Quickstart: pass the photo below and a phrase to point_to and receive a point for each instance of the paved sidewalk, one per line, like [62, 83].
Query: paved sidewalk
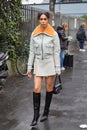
[68, 109]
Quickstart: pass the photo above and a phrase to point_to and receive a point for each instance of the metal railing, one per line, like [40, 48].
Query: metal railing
[29, 21]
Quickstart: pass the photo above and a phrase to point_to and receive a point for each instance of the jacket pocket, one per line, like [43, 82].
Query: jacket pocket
[36, 49]
[49, 48]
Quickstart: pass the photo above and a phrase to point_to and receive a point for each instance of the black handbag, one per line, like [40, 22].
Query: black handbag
[68, 61]
[57, 86]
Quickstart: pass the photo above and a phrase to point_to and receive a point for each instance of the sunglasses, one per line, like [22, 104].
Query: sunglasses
[43, 19]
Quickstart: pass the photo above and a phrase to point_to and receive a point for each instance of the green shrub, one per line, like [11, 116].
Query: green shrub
[10, 16]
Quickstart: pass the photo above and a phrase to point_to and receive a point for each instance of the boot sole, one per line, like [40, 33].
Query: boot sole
[44, 119]
[36, 122]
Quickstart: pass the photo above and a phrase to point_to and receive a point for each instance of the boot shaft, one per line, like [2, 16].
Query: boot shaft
[47, 106]
[36, 100]
[48, 101]
[36, 106]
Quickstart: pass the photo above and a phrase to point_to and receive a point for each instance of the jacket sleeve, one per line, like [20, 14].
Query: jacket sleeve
[31, 55]
[63, 36]
[57, 52]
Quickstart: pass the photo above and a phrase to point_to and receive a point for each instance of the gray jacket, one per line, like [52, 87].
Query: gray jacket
[43, 46]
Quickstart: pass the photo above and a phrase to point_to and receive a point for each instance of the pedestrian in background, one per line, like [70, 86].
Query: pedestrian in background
[81, 36]
[64, 40]
[45, 54]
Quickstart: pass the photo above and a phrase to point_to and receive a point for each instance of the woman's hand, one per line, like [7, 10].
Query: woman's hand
[29, 74]
[58, 73]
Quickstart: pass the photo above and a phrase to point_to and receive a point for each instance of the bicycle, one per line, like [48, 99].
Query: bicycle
[22, 59]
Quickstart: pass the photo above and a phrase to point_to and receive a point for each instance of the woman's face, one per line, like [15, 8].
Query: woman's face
[43, 20]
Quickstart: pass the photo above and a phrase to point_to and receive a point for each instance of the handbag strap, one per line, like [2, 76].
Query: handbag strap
[58, 78]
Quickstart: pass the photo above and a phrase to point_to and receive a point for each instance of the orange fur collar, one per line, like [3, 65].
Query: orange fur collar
[49, 30]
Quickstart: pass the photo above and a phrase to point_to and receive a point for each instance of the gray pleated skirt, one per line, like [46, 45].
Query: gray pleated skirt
[44, 67]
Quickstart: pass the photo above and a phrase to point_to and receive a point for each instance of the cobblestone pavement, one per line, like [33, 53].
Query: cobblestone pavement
[68, 109]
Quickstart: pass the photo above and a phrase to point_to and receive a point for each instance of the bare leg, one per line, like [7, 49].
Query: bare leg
[37, 83]
[49, 83]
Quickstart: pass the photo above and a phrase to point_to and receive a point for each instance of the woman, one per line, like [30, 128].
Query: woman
[45, 54]
[63, 42]
[81, 36]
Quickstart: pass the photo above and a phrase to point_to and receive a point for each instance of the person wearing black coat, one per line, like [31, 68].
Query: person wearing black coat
[82, 37]
[63, 42]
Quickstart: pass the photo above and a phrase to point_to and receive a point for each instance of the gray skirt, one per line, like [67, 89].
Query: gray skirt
[44, 67]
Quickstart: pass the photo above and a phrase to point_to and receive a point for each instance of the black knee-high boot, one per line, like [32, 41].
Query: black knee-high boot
[47, 106]
[36, 105]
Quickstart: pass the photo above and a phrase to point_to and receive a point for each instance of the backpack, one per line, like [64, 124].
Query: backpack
[79, 35]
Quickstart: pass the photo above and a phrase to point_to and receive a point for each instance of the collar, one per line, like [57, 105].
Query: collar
[49, 30]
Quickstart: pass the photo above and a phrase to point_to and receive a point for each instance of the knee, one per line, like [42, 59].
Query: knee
[49, 88]
[37, 90]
